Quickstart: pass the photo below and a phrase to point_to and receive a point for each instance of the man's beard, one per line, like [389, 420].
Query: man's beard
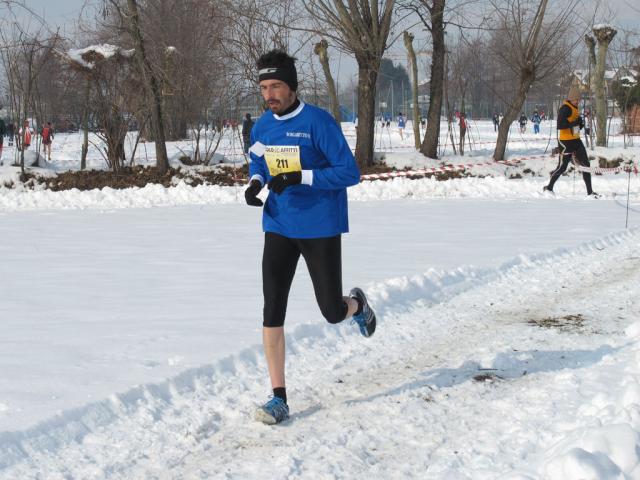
[277, 106]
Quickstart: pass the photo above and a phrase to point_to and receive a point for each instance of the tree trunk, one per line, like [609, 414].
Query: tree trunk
[85, 126]
[366, 113]
[320, 49]
[601, 99]
[429, 145]
[27, 102]
[152, 88]
[525, 80]
[115, 142]
[591, 52]
[604, 36]
[173, 105]
[408, 43]
[514, 108]
[447, 105]
[463, 124]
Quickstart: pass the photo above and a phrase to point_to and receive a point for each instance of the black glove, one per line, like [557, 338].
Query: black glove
[251, 193]
[281, 181]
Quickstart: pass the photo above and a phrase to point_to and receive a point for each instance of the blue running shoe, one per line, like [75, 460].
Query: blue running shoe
[367, 318]
[272, 412]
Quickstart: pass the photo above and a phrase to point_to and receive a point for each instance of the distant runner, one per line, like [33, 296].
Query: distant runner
[401, 124]
[47, 139]
[569, 124]
[25, 135]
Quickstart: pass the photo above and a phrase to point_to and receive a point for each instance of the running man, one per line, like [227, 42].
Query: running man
[522, 121]
[300, 153]
[47, 139]
[401, 124]
[25, 135]
[535, 119]
[569, 124]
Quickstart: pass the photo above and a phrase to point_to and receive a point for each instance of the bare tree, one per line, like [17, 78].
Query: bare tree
[459, 79]
[85, 125]
[408, 43]
[320, 49]
[361, 28]
[604, 35]
[431, 14]
[151, 85]
[187, 53]
[449, 110]
[109, 72]
[130, 16]
[25, 53]
[533, 48]
[251, 31]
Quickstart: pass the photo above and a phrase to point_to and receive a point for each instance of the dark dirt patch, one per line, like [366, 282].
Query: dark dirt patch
[376, 168]
[27, 179]
[440, 176]
[125, 178]
[565, 323]
[136, 176]
[487, 377]
[606, 163]
[139, 176]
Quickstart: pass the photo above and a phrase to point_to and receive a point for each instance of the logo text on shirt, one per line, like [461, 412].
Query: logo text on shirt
[299, 135]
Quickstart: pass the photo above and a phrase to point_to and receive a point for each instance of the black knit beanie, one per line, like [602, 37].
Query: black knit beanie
[277, 65]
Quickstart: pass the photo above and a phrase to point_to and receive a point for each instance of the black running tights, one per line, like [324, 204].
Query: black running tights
[567, 148]
[324, 261]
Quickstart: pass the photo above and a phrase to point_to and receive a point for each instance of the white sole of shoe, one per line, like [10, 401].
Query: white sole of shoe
[264, 417]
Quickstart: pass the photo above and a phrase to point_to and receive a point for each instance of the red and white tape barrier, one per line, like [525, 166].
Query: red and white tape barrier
[622, 168]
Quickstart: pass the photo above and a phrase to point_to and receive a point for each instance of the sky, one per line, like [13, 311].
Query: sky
[62, 13]
[57, 12]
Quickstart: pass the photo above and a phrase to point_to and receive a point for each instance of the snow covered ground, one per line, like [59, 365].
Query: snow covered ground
[508, 343]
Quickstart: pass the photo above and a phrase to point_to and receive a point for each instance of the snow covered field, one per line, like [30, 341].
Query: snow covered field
[508, 343]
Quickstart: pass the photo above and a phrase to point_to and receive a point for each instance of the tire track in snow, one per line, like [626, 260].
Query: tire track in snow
[428, 373]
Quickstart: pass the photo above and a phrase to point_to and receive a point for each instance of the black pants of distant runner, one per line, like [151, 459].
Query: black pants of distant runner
[567, 149]
[324, 261]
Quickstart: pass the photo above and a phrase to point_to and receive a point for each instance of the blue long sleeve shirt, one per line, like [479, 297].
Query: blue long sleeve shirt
[310, 140]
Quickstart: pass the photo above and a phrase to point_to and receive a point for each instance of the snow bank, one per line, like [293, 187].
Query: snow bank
[154, 195]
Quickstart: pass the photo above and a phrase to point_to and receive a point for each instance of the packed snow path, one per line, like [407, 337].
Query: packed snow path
[519, 372]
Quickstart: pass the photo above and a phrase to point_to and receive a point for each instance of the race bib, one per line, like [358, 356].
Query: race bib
[282, 159]
[576, 130]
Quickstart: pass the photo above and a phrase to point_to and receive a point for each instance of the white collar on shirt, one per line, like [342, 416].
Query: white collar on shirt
[292, 114]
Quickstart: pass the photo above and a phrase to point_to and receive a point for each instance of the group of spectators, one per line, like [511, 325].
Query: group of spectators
[24, 136]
